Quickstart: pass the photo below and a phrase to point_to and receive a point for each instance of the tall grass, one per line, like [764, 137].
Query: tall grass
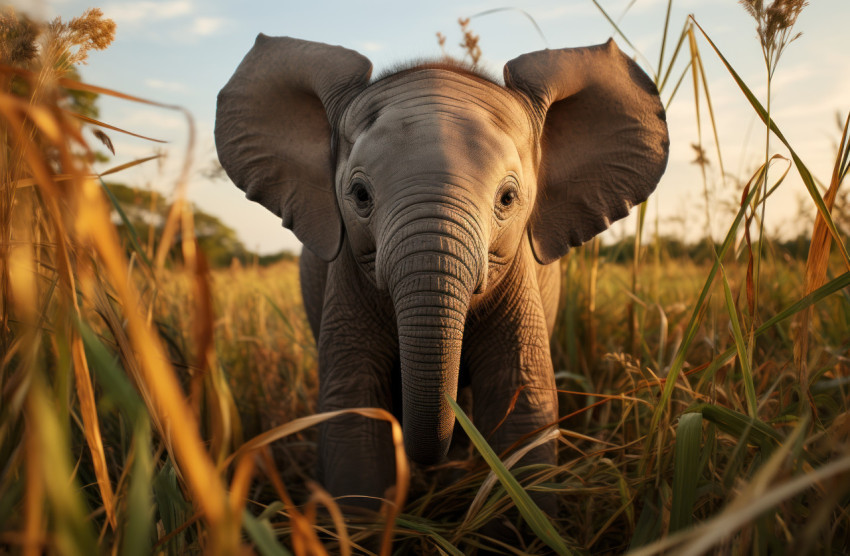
[119, 424]
[149, 405]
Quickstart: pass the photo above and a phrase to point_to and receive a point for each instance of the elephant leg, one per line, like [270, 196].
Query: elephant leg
[356, 453]
[509, 356]
[357, 354]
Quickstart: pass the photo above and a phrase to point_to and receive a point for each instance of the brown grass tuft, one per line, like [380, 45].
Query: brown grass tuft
[68, 44]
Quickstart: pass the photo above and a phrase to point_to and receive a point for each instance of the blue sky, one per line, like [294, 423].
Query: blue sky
[183, 51]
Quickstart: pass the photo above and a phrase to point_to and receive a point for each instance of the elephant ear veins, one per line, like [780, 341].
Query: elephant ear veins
[273, 131]
[604, 141]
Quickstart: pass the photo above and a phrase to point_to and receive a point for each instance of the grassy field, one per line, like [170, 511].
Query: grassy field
[148, 406]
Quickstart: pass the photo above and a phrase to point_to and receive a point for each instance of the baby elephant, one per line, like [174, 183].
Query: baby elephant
[433, 203]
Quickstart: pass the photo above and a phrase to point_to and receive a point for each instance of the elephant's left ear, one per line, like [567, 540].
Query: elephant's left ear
[603, 141]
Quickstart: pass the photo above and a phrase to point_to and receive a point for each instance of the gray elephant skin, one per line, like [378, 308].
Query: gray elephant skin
[434, 204]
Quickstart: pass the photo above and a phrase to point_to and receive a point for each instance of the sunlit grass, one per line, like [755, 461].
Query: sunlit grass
[155, 405]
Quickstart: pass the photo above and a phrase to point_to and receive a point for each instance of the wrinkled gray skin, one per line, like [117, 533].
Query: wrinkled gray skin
[433, 205]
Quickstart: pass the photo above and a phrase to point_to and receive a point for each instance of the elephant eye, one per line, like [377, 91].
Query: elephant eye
[361, 195]
[507, 200]
[362, 198]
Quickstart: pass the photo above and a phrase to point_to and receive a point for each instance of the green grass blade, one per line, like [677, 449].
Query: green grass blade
[691, 331]
[139, 517]
[686, 470]
[673, 58]
[741, 346]
[73, 533]
[678, 84]
[109, 375]
[834, 285]
[845, 155]
[648, 526]
[139, 522]
[640, 224]
[664, 36]
[710, 112]
[692, 44]
[444, 544]
[708, 445]
[262, 536]
[533, 515]
[740, 426]
[271, 510]
[134, 237]
[806, 176]
[173, 508]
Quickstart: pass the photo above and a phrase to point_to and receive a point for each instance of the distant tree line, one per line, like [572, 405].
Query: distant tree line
[146, 211]
[669, 247]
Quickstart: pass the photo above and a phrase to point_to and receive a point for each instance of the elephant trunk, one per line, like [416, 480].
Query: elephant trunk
[431, 276]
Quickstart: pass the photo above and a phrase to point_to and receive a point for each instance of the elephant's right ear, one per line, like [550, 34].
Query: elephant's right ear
[273, 131]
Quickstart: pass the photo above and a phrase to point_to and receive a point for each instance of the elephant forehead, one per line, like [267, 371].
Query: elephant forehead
[436, 120]
[428, 101]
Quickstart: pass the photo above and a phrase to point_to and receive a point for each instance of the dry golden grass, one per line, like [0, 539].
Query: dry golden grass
[148, 406]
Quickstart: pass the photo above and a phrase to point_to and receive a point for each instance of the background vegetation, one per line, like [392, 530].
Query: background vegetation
[145, 213]
[150, 402]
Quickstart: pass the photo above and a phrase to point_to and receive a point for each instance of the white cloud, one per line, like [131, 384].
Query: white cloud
[147, 10]
[152, 119]
[172, 86]
[186, 24]
[562, 11]
[370, 46]
[207, 25]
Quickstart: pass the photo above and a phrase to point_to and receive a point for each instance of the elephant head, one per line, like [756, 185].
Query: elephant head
[436, 178]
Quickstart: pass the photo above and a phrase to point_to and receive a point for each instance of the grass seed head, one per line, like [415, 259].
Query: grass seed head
[68, 44]
[17, 38]
[773, 24]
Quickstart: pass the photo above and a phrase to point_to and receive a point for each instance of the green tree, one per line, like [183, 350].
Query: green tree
[146, 211]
